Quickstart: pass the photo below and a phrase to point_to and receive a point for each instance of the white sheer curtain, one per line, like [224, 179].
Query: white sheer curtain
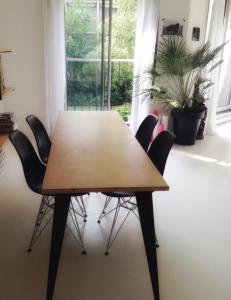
[225, 82]
[146, 31]
[55, 66]
[216, 36]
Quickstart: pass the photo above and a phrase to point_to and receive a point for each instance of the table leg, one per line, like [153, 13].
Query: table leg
[145, 208]
[61, 208]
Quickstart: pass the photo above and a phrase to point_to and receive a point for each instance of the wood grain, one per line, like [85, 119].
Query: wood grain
[3, 139]
[96, 151]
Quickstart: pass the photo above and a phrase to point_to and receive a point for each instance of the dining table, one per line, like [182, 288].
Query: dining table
[3, 142]
[3, 139]
[95, 151]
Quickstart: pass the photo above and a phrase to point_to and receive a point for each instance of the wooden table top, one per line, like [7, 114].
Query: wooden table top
[96, 151]
[3, 139]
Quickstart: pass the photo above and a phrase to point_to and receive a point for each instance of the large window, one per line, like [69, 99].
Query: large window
[100, 42]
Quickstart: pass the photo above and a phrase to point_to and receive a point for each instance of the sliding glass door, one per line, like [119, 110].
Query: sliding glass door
[100, 37]
[88, 53]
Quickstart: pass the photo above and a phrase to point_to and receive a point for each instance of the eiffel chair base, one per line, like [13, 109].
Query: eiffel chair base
[82, 212]
[123, 202]
[45, 215]
[127, 204]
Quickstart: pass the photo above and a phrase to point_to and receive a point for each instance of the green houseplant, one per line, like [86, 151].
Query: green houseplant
[180, 72]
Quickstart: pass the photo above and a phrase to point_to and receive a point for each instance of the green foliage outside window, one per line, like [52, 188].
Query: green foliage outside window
[79, 40]
[83, 41]
[125, 112]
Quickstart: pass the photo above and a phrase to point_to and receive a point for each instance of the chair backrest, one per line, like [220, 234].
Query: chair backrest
[144, 132]
[33, 169]
[42, 139]
[160, 149]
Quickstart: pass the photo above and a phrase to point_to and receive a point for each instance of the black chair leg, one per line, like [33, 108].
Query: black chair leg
[44, 210]
[112, 227]
[84, 207]
[76, 224]
[112, 239]
[82, 213]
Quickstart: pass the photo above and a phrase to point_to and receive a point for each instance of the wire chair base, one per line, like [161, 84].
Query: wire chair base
[45, 215]
[122, 202]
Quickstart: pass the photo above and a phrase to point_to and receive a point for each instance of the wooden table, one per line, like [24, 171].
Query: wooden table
[3, 139]
[93, 152]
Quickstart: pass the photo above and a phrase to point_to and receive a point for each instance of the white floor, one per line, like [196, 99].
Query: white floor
[193, 225]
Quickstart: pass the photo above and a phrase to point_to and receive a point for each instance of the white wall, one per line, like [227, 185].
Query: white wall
[198, 14]
[193, 11]
[175, 10]
[21, 30]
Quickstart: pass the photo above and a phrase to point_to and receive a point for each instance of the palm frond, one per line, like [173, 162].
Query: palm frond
[203, 55]
[152, 71]
[181, 70]
[216, 65]
[171, 56]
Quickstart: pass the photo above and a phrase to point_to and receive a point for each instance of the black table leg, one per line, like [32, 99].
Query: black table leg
[145, 208]
[61, 208]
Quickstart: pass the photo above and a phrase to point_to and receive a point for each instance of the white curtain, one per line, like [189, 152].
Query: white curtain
[225, 82]
[146, 32]
[216, 36]
[55, 66]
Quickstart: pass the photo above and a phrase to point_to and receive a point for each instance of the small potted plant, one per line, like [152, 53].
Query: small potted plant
[180, 71]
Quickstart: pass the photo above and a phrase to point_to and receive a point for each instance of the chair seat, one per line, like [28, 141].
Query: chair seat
[119, 194]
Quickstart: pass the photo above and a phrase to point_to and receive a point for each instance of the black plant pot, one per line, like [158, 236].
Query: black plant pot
[186, 125]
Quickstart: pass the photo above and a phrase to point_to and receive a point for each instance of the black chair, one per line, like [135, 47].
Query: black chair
[44, 145]
[42, 139]
[145, 131]
[158, 153]
[143, 135]
[34, 172]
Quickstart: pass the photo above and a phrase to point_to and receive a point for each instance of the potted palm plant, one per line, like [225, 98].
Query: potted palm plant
[180, 71]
